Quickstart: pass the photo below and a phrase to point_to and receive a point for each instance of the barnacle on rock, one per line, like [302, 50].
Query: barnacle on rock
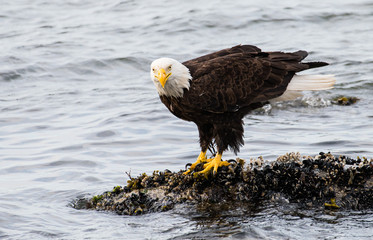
[317, 181]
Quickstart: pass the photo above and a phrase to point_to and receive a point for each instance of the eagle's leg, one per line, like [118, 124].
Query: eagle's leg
[215, 163]
[227, 135]
[201, 159]
[205, 139]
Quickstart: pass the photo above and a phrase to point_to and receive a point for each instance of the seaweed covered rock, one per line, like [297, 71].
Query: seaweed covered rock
[308, 181]
[345, 101]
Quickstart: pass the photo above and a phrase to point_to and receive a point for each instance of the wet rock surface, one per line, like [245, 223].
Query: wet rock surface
[345, 101]
[311, 182]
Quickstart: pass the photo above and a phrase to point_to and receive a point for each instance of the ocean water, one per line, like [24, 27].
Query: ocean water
[78, 110]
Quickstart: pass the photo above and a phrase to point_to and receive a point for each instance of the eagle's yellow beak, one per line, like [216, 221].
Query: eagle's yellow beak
[162, 76]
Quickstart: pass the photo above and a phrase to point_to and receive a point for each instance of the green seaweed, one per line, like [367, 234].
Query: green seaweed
[96, 199]
[117, 189]
[345, 101]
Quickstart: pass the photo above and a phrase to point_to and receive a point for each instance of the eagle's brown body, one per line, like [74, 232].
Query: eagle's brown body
[227, 85]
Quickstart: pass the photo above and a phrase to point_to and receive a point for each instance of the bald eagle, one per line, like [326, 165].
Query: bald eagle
[217, 90]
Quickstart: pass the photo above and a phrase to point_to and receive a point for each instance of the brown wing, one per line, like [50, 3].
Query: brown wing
[236, 49]
[235, 78]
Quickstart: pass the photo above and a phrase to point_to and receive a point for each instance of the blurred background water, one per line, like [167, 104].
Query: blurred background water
[78, 110]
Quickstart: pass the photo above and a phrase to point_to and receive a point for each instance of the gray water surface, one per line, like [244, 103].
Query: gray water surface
[78, 110]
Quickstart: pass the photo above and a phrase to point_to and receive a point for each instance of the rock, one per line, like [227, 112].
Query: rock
[345, 101]
[312, 182]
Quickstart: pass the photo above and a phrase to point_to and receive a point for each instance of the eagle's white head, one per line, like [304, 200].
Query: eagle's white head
[170, 77]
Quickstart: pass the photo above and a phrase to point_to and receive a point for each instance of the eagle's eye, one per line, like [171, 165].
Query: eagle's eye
[153, 69]
[169, 68]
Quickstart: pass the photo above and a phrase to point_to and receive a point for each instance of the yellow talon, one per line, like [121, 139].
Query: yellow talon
[211, 163]
[215, 164]
[201, 159]
[332, 204]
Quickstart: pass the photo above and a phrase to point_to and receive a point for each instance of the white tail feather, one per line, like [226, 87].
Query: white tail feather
[311, 82]
[305, 83]
[287, 96]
